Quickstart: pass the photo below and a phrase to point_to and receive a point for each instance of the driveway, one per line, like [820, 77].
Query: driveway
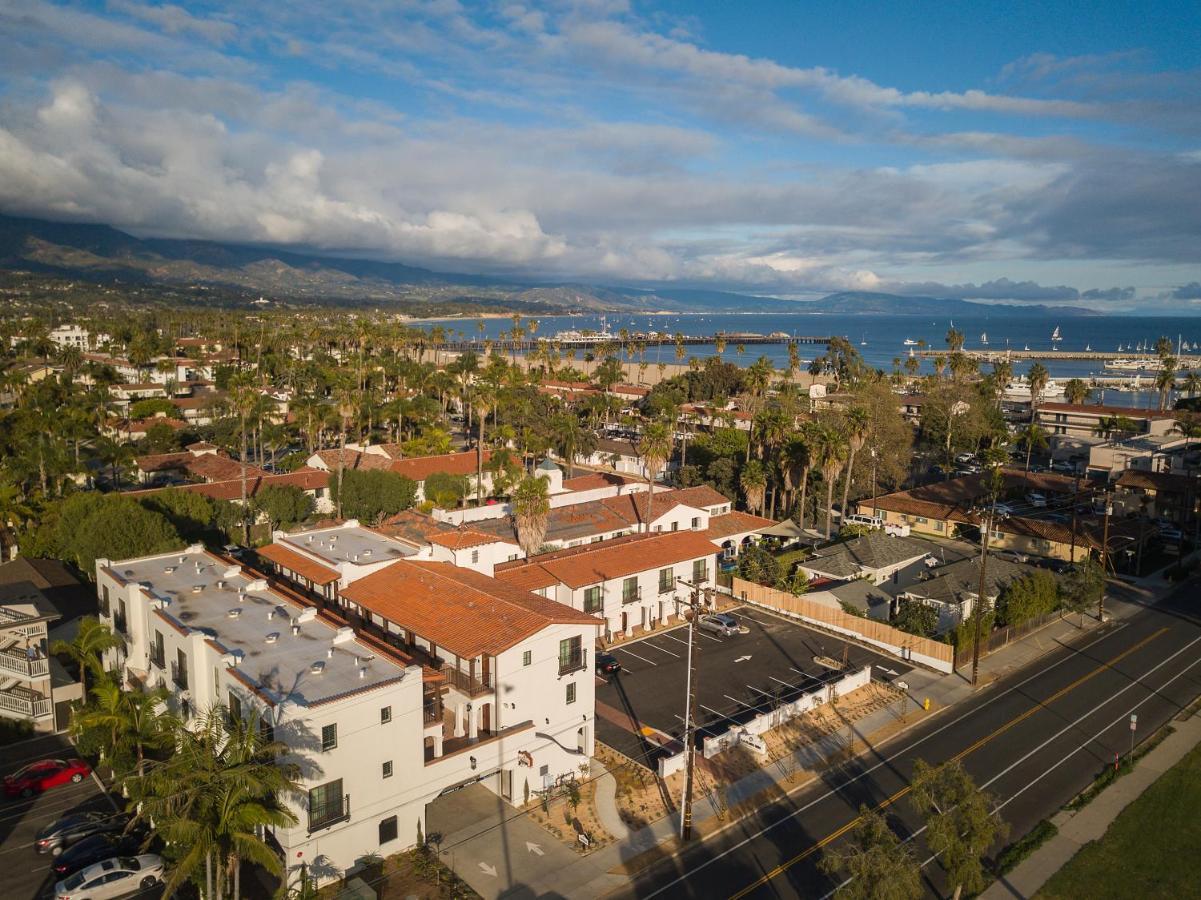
[28, 873]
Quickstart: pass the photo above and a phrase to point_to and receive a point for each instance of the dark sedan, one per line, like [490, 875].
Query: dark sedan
[64, 832]
[94, 849]
[607, 664]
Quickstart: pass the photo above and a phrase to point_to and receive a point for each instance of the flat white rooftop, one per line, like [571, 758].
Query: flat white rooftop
[349, 544]
[287, 652]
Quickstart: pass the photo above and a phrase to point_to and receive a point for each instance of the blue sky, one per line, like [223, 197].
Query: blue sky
[1044, 152]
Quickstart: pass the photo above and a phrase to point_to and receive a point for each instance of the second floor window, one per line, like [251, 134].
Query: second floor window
[327, 805]
[385, 715]
[571, 654]
[700, 570]
[235, 707]
[667, 579]
[329, 736]
[592, 599]
[571, 692]
[629, 590]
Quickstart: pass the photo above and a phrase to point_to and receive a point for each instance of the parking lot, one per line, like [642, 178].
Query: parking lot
[642, 708]
[29, 873]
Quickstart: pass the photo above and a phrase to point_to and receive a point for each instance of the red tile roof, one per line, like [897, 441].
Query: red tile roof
[420, 468]
[579, 567]
[353, 459]
[1097, 409]
[701, 497]
[305, 479]
[301, 565]
[461, 540]
[594, 480]
[463, 611]
[736, 522]
[1166, 482]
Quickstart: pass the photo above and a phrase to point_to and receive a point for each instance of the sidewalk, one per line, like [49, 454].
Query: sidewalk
[594, 875]
[1089, 824]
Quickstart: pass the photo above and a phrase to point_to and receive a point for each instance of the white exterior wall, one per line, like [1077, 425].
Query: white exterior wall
[651, 609]
[483, 558]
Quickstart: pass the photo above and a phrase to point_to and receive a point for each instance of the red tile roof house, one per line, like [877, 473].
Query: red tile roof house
[631, 583]
[418, 468]
[311, 481]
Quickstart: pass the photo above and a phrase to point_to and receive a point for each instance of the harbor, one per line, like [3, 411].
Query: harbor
[586, 340]
[1147, 361]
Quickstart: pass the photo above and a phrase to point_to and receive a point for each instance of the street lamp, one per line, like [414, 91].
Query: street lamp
[690, 702]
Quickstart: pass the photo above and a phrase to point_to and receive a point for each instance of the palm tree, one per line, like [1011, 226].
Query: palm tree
[345, 414]
[655, 449]
[14, 512]
[132, 722]
[570, 439]
[1032, 436]
[857, 424]
[117, 456]
[221, 789]
[88, 647]
[1037, 378]
[828, 451]
[797, 455]
[483, 401]
[531, 512]
[1165, 380]
[753, 481]
[244, 398]
[1076, 391]
[1192, 383]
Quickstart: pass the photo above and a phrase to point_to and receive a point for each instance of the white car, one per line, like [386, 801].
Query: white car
[1037, 500]
[722, 624]
[112, 878]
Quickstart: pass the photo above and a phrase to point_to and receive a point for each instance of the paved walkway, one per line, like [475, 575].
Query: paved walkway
[591, 876]
[1089, 824]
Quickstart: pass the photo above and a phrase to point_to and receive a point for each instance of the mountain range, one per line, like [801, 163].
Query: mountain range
[102, 253]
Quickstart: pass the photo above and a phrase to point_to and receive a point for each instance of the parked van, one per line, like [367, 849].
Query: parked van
[867, 521]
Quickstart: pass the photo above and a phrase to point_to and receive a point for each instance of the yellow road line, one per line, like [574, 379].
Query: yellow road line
[835, 835]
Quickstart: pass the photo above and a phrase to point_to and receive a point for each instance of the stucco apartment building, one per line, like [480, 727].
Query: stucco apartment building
[631, 584]
[442, 678]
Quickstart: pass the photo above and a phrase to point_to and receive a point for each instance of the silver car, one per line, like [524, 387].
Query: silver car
[112, 878]
[722, 624]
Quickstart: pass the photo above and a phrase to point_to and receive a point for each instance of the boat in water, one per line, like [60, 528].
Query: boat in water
[1018, 391]
[567, 338]
[1055, 335]
[984, 338]
[1130, 365]
[909, 342]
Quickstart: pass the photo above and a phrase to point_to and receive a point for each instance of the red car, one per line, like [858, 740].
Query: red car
[45, 774]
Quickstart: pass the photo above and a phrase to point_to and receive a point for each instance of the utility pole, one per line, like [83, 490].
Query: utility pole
[981, 598]
[1104, 556]
[1075, 504]
[689, 723]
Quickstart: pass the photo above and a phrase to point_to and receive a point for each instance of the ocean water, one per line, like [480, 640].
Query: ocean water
[879, 338]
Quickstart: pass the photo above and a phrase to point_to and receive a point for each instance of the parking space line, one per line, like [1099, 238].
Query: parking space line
[739, 702]
[780, 681]
[676, 639]
[760, 690]
[663, 650]
[709, 636]
[636, 656]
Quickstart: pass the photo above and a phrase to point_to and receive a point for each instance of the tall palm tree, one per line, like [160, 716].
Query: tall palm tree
[655, 449]
[221, 789]
[857, 427]
[15, 511]
[531, 512]
[1037, 378]
[1033, 436]
[484, 400]
[753, 481]
[88, 647]
[830, 444]
[1192, 383]
[1165, 380]
[571, 439]
[798, 456]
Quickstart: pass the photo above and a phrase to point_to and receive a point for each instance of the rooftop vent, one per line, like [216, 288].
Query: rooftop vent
[220, 585]
[362, 674]
[343, 634]
[183, 559]
[295, 630]
[234, 613]
[272, 637]
[241, 596]
[317, 668]
[366, 552]
[271, 614]
[197, 588]
[169, 569]
[329, 653]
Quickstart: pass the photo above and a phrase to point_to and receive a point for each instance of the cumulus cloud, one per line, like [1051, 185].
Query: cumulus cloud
[1190, 291]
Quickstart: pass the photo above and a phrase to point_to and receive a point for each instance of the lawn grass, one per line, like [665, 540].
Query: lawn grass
[1150, 850]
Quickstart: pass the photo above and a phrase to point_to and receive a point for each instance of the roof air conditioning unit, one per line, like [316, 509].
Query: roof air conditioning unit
[343, 634]
[272, 637]
[307, 614]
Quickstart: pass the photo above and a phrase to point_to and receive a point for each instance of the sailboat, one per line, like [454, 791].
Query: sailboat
[1088, 348]
[984, 338]
[1055, 335]
[909, 342]
[863, 341]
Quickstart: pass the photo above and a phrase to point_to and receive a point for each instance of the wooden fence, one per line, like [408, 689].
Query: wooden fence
[934, 654]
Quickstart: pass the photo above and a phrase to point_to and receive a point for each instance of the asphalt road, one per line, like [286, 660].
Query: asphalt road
[738, 677]
[1034, 740]
[26, 874]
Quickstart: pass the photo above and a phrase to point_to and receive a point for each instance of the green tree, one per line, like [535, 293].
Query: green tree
[127, 724]
[1028, 597]
[915, 617]
[1076, 391]
[1082, 586]
[531, 513]
[213, 799]
[447, 491]
[1031, 436]
[371, 495]
[960, 823]
[192, 514]
[873, 863]
[654, 447]
[87, 649]
[87, 526]
[284, 505]
[1037, 378]
[753, 481]
[758, 565]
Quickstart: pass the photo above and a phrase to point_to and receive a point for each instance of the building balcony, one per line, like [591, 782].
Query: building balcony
[120, 626]
[25, 702]
[19, 663]
[467, 684]
[329, 814]
[631, 596]
[179, 676]
[573, 663]
[11, 621]
[157, 660]
[667, 587]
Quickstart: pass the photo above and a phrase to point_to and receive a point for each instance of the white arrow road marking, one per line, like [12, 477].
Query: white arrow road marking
[488, 870]
[743, 658]
[531, 847]
[889, 671]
